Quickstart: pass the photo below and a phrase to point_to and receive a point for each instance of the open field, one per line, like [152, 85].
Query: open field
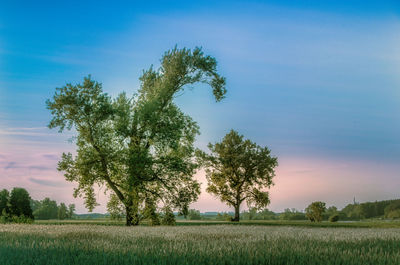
[197, 244]
[351, 224]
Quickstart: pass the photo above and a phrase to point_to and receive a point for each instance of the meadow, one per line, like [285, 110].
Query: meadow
[83, 243]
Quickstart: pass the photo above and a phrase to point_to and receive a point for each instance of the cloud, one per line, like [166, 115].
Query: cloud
[36, 131]
[41, 168]
[15, 165]
[51, 156]
[49, 183]
[11, 165]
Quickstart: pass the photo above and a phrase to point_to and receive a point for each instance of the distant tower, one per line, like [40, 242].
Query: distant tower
[354, 200]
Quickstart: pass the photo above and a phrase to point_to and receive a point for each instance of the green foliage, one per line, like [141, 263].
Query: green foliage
[150, 213]
[15, 207]
[46, 209]
[168, 217]
[5, 217]
[20, 203]
[115, 208]
[62, 212]
[329, 212]
[35, 204]
[71, 211]
[239, 170]
[395, 214]
[378, 209]
[315, 210]
[253, 214]
[139, 147]
[194, 215]
[292, 214]
[334, 218]
[392, 211]
[224, 217]
[4, 202]
[21, 219]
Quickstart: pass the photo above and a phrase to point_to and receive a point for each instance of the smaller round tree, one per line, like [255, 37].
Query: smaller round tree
[238, 171]
[315, 210]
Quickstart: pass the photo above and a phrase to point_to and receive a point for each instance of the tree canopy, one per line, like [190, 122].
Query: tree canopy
[20, 204]
[315, 210]
[4, 202]
[239, 170]
[140, 147]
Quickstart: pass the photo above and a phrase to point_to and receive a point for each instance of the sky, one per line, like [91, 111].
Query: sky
[318, 82]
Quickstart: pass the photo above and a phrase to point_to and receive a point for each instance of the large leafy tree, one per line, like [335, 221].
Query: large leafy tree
[139, 147]
[239, 170]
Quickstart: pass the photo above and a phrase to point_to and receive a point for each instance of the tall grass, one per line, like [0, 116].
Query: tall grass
[222, 244]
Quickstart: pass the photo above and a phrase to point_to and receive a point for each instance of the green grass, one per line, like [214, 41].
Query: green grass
[197, 244]
[356, 224]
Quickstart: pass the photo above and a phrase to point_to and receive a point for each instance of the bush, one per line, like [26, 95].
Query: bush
[5, 218]
[155, 219]
[21, 219]
[395, 214]
[334, 218]
[292, 214]
[194, 215]
[224, 217]
[391, 211]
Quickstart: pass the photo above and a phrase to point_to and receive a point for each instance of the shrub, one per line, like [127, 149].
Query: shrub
[334, 218]
[21, 219]
[224, 217]
[395, 214]
[194, 215]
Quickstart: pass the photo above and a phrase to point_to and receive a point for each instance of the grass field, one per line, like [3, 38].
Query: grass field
[197, 244]
[356, 224]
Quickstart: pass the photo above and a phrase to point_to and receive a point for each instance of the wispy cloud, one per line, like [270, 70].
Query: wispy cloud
[15, 165]
[50, 183]
[11, 165]
[51, 156]
[36, 131]
[40, 168]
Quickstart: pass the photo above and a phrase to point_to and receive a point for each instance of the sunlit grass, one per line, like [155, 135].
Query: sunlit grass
[355, 224]
[196, 244]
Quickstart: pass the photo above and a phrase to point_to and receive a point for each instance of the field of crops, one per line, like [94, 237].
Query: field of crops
[213, 244]
[351, 224]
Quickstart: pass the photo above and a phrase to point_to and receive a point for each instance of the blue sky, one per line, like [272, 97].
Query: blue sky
[316, 81]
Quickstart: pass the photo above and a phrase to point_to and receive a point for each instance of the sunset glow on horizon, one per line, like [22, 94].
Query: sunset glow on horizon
[318, 84]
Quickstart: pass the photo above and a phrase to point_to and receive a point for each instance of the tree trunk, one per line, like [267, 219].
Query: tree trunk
[237, 213]
[129, 217]
[132, 217]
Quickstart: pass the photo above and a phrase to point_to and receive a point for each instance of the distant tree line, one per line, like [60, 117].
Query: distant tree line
[389, 209]
[18, 207]
[47, 209]
[315, 212]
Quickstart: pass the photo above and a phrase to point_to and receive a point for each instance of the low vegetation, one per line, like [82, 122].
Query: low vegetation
[222, 244]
